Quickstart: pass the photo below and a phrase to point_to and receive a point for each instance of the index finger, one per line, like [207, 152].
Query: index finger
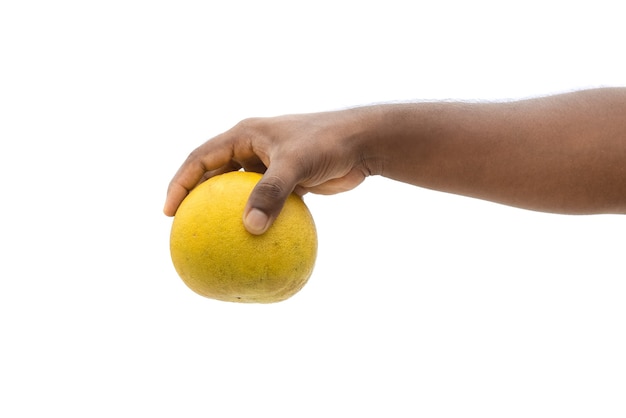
[214, 154]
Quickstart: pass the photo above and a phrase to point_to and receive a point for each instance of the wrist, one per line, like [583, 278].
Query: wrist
[365, 134]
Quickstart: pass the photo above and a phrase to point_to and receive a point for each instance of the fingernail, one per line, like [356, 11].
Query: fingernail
[256, 221]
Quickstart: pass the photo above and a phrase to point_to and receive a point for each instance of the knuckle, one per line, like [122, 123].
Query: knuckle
[248, 124]
[193, 158]
[273, 188]
[194, 155]
[196, 158]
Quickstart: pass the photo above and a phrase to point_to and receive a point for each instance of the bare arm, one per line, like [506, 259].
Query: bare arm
[564, 153]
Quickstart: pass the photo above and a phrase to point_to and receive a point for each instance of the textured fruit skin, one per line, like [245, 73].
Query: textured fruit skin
[218, 258]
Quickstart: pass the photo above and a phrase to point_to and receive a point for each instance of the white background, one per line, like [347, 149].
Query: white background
[421, 303]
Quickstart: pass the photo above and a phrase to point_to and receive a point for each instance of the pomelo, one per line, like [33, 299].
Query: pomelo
[218, 258]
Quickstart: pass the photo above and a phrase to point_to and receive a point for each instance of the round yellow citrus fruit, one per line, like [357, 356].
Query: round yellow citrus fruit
[218, 258]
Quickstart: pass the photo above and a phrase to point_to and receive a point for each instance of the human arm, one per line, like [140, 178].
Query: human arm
[563, 153]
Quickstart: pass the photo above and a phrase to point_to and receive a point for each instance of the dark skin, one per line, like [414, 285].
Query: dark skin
[563, 153]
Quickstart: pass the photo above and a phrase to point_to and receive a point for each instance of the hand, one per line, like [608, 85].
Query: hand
[317, 153]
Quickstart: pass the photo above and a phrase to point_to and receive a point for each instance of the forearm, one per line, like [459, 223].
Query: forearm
[563, 153]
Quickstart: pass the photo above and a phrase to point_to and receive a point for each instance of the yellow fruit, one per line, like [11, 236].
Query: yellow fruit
[218, 258]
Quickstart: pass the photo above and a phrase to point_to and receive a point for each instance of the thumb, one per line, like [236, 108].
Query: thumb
[267, 199]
